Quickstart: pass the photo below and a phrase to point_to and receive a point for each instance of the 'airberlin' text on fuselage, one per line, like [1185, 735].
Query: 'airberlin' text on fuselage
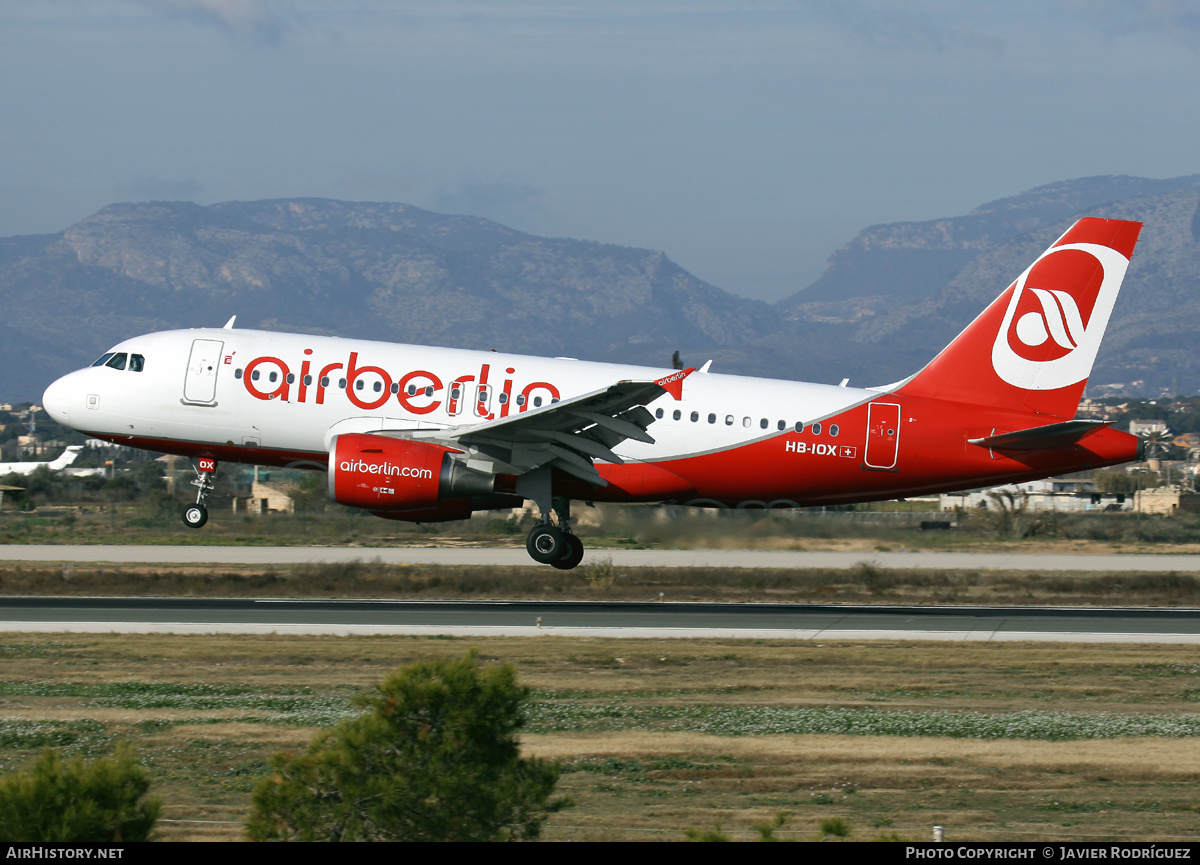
[418, 391]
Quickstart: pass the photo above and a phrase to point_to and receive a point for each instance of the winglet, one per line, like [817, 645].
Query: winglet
[673, 384]
[229, 324]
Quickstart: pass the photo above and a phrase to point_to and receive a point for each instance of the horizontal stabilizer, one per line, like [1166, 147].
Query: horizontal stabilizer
[1037, 438]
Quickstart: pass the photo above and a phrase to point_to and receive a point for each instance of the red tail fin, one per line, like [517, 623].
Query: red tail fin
[1032, 349]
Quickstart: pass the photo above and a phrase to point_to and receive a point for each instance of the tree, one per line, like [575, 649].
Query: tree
[71, 800]
[434, 758]
[1008, 514]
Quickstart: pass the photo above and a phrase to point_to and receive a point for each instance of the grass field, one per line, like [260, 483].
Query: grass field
[993, 741]
[605, 581]
[884, 525]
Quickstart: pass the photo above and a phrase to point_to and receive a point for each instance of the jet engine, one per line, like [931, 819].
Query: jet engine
[386, 474]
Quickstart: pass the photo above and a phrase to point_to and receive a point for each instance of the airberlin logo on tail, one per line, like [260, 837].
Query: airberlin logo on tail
[1057, 316]
[1056, 319]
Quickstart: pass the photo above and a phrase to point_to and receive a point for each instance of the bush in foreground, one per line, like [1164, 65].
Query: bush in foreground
[435, 758]
[101, 801]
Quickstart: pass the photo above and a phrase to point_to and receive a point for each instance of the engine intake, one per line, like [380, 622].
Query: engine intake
[386, 474]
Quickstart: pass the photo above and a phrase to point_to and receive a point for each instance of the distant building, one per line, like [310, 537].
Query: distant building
[1144, 427]
[1167, 500]
[1067, 495]
[1093, 408]
[265, 497]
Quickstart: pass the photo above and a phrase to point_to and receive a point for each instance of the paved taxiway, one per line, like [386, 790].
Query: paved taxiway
[530, 618]
[195, 555]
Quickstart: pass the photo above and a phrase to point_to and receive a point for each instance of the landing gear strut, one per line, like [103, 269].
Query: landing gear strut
[550, 544]
[195, 516]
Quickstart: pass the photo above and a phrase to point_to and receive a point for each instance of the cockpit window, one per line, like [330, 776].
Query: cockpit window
[136, 363]
[102, 360]
[118, 360]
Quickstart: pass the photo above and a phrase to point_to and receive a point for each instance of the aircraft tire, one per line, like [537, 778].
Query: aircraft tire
[572, 555]
[546, 544]
[194, 516]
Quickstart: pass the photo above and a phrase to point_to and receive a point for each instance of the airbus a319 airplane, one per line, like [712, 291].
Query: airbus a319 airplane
[430, 434]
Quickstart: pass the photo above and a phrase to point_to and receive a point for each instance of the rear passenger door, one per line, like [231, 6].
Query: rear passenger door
[883, 436]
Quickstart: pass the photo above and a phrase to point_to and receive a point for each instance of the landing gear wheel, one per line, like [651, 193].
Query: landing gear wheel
[194, 516]
[572, 555]
[546, 544]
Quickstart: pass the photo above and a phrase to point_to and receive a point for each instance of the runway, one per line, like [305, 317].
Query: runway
[229, 555]
[807, 622]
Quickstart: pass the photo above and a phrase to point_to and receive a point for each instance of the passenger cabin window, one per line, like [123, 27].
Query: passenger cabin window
[677, 414]
[695, 416]
[746, 422]
[782, 425]
[117, 361]
[712, 418]
[136, 363]
[728, 420]
[658, 413]
[763, 423]
[816, 429]
[833, 429]
[799, 426]
[102, 359]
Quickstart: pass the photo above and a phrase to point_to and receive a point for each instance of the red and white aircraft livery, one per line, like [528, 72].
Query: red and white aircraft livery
[427, 434]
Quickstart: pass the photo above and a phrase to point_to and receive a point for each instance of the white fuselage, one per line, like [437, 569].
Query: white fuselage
[231, 387]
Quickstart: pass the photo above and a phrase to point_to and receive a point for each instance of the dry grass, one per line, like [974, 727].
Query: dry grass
[634, 778]
[605, 581]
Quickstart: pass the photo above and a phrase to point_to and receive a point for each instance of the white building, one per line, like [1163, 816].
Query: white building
[1144, 427]
[1067, 495]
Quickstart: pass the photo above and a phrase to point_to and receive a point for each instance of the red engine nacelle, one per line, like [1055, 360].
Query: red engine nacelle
[386, 474]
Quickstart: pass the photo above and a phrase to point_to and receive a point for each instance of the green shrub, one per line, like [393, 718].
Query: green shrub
[99, 801]
[435, 758]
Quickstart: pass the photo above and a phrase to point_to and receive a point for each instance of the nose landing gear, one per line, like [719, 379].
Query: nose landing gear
[195, 516]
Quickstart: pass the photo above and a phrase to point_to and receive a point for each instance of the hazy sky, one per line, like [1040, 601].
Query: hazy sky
[747, 139]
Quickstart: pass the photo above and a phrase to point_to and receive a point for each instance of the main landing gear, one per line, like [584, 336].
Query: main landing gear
[555, 545]
[195, 516]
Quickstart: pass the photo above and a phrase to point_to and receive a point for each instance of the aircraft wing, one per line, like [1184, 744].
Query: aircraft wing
[570, 433]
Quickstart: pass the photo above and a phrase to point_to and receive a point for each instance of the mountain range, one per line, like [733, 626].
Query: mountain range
[886, 303]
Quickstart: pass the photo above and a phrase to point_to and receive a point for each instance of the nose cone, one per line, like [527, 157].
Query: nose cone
[60, 398]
